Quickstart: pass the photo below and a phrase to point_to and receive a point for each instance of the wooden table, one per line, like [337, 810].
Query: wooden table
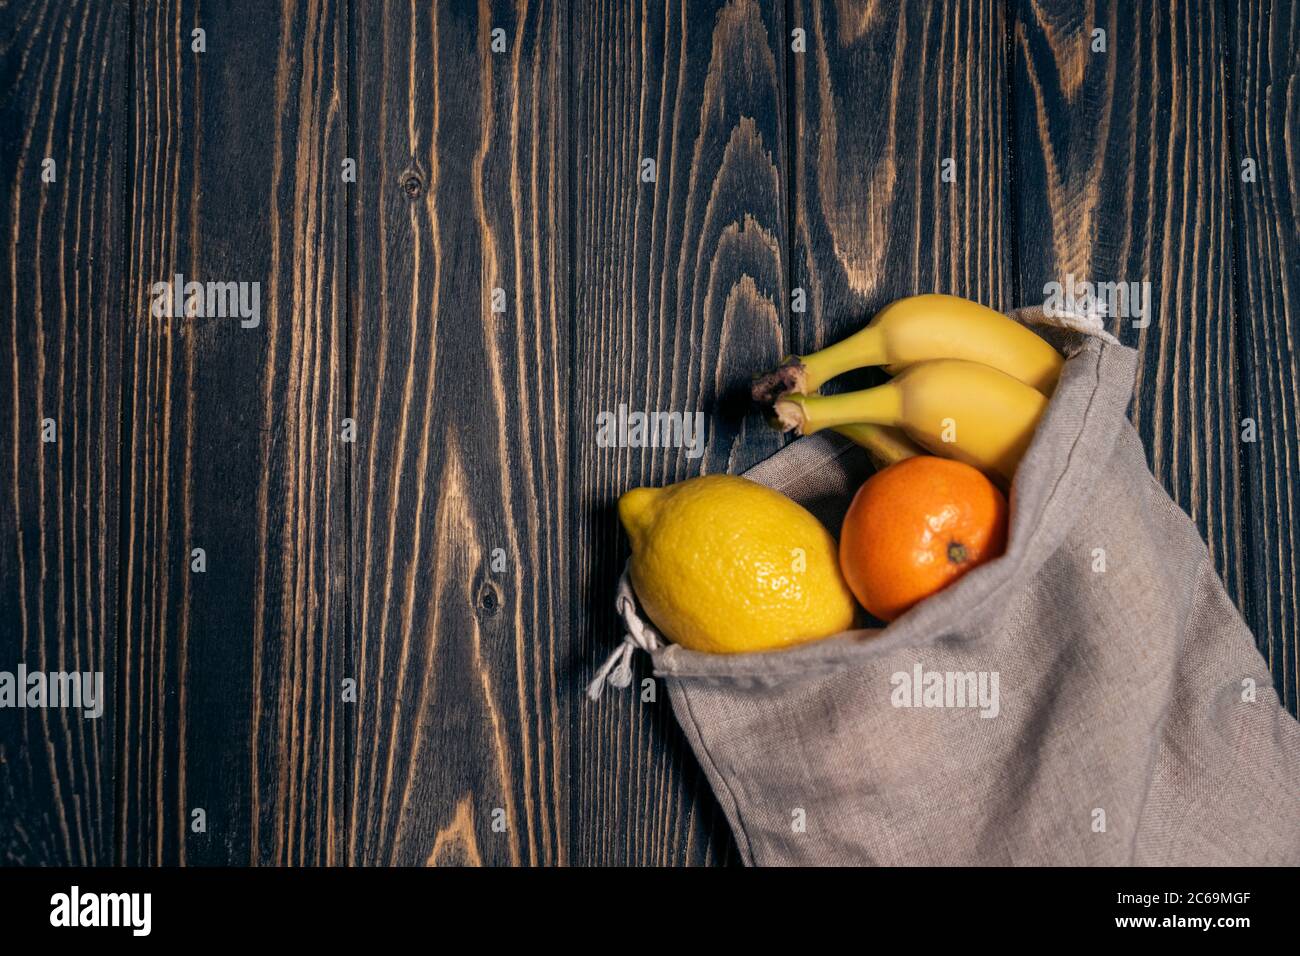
[457, 557]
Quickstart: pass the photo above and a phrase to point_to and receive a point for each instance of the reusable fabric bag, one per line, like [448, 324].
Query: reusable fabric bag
[1091, 698]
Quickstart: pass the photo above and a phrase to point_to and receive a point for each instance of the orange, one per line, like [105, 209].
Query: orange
[916, 527]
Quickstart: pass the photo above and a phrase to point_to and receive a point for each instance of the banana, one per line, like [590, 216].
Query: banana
[918, 329]
[954, 408]
[885, 445]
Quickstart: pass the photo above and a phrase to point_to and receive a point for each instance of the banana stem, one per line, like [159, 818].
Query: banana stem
[804, 374]
[882, 405]
[862, 348]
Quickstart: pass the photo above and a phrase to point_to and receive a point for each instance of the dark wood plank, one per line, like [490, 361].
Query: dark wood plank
[884, 95]
[680, 298]
[231, 678]
[1122, 165]
[63, 70]
[1263, 44]
[462, 447]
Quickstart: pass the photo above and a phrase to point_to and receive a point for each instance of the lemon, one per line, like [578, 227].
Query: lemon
[726, 565]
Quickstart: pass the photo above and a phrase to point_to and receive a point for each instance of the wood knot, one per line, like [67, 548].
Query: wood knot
[488, 600]
[412, 184]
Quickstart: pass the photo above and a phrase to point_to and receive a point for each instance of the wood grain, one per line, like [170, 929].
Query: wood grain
[1122, 164]
[63, 72]
[231, 678]
[460, 526]
[884, 95]
[458, 559]
[1263, 56]
[680, 298]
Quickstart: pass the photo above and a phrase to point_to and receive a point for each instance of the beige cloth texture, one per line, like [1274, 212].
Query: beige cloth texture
[1136, 722]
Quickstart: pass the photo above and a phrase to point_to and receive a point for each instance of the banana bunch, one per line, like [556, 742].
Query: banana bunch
[971, 384]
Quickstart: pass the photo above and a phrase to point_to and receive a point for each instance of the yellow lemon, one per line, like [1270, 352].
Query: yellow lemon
[726, 565]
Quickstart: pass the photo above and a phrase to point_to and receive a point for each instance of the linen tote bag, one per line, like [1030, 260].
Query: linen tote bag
[1092, 697]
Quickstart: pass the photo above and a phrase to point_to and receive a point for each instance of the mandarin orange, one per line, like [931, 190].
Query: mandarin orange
[916, 527]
